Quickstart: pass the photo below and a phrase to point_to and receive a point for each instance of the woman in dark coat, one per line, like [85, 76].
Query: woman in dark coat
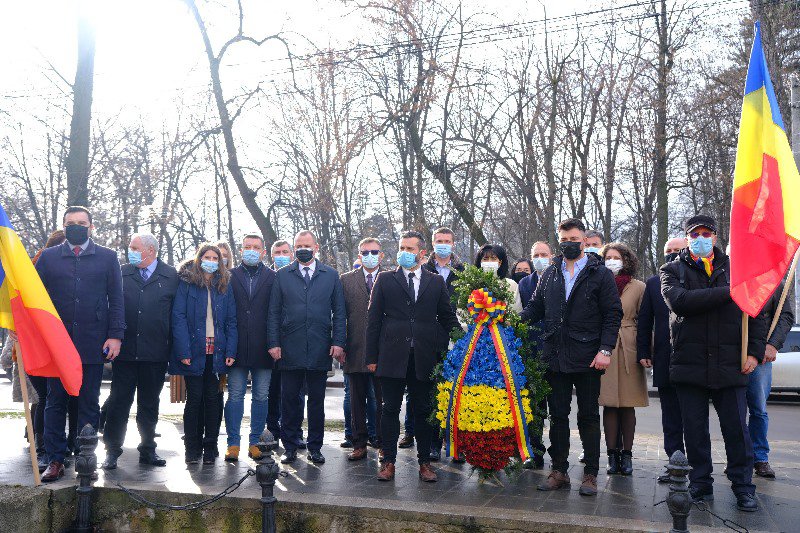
[204, 345]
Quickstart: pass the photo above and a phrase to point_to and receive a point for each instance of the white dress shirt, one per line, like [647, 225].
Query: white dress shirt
[417, 274]
[311, 268]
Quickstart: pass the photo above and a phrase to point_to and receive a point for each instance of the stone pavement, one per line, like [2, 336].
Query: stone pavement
[626, 502]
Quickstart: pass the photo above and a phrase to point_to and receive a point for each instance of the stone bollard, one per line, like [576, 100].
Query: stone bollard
[86, 466]
[267, 473]
[679, 501]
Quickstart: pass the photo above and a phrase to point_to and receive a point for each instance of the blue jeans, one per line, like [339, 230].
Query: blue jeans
[234, 407]
[757, 394]
[371, 411]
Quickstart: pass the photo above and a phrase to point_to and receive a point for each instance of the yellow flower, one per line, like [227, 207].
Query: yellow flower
[481, 407]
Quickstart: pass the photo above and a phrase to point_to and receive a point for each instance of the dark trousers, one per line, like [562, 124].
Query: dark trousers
[274, 405]
[587, 390]
[40, 384]
[420, 392]
[292, 382]
[408, 422]
[360, 383]
[731, 406]
[146, 379]
[201, 392]
[536, 428]
[671, 421]
[55, 414]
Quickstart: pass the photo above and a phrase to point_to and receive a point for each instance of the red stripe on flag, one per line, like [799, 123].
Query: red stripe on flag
[47, 349]
[761, 251]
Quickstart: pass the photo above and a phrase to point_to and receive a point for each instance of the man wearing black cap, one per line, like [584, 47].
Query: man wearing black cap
[705, 365]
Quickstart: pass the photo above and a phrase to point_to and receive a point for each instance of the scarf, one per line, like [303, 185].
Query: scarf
[622, 280]
[706, 263]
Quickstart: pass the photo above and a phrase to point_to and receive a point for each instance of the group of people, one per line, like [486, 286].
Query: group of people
[596, 328]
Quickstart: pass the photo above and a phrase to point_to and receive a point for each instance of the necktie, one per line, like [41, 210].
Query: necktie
[145, 273]
[411, 284]
[370, 283]
[306, 276]
[77, 251]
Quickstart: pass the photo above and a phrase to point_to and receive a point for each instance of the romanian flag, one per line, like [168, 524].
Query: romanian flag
[765, 215]
[26, 308]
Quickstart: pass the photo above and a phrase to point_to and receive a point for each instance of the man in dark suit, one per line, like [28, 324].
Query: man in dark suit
[357, 285]
[84, 281]
[654, 350]
[410, 319]
[445, 262]
[252, 287]
[281, 253]
[306, 330]
[149, 288]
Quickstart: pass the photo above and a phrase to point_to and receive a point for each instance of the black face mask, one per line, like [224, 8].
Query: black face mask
[76, 234]
[517, 276]
[304, 255]
[671, 257]
[570, 249]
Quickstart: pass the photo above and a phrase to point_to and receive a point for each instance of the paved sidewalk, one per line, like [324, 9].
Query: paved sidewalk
[631, 498]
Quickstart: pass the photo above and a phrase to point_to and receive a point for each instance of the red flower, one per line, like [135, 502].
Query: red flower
[489, 450]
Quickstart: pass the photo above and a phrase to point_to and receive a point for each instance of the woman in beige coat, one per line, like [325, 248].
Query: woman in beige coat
[623, 386]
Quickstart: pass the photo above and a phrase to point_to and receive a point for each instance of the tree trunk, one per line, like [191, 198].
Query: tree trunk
[660, 137]
[77, 163]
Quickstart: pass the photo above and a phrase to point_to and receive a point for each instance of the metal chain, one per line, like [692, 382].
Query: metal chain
[189, 506]
[730, 524]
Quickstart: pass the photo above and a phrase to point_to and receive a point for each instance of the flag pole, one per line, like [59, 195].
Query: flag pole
[785, 292]
[745, 326]
[23, 383]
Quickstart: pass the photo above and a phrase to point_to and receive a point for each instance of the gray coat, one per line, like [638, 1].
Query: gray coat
[356, 299]
[306, 321]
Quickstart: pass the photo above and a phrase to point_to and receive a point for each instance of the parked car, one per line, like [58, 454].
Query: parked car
[786, 368]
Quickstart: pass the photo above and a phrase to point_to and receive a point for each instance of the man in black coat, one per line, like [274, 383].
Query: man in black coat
[281, 253]
[252, 287]
[706, 364]
[654, 350]
[84, 281]
[149, 288]
[306, 329]
[578, 301]
[408, 328]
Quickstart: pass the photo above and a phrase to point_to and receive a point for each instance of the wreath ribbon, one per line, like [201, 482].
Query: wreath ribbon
[451, 448]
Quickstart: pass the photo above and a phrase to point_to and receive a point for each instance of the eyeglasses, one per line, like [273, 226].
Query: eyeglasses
[365, 253]
[696, 234]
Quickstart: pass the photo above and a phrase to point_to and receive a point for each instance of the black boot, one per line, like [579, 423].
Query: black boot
[613, 462]
[626, 463]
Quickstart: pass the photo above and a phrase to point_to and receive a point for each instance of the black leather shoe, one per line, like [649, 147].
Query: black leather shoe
[373, 442]
[302, 444]
[110, 463]
[746, 502]
[316, 457]
[534, 463]
[435, 454]
[193, 458]
[346, 443]
[289, 457]
[459, 459]
[209, 457]
[626, 463]
[701, 495]
[406, 442]
[152, 459]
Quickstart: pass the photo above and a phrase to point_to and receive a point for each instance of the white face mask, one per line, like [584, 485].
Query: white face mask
[614, 265]
[490, 266]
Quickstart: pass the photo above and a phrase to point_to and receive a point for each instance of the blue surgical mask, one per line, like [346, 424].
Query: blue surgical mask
[251, 257]
[134, 258]
[540, 264]
[406, 259]
[443, 250]
[370, 261]
[701, 246]
[592, 249]
[281, 261]
[209, 266]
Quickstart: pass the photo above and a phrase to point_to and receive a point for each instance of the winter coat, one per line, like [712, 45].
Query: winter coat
[706, 324]
[306, 321]
[786, 320]
[189, 325]
[252, 296]
[148, 313]
[397, 321]
[652, 335]
[86, 290]
[527, 286]
[624, 383]
[576, 329]
[356, 299]
[456, 267]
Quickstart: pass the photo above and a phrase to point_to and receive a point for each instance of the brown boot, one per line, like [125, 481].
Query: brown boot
[357, 454]
[589, 485]
[406, 442]
[555, 481]
[427, 474]
[232, 455]
[764, 470]
[387, 472]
